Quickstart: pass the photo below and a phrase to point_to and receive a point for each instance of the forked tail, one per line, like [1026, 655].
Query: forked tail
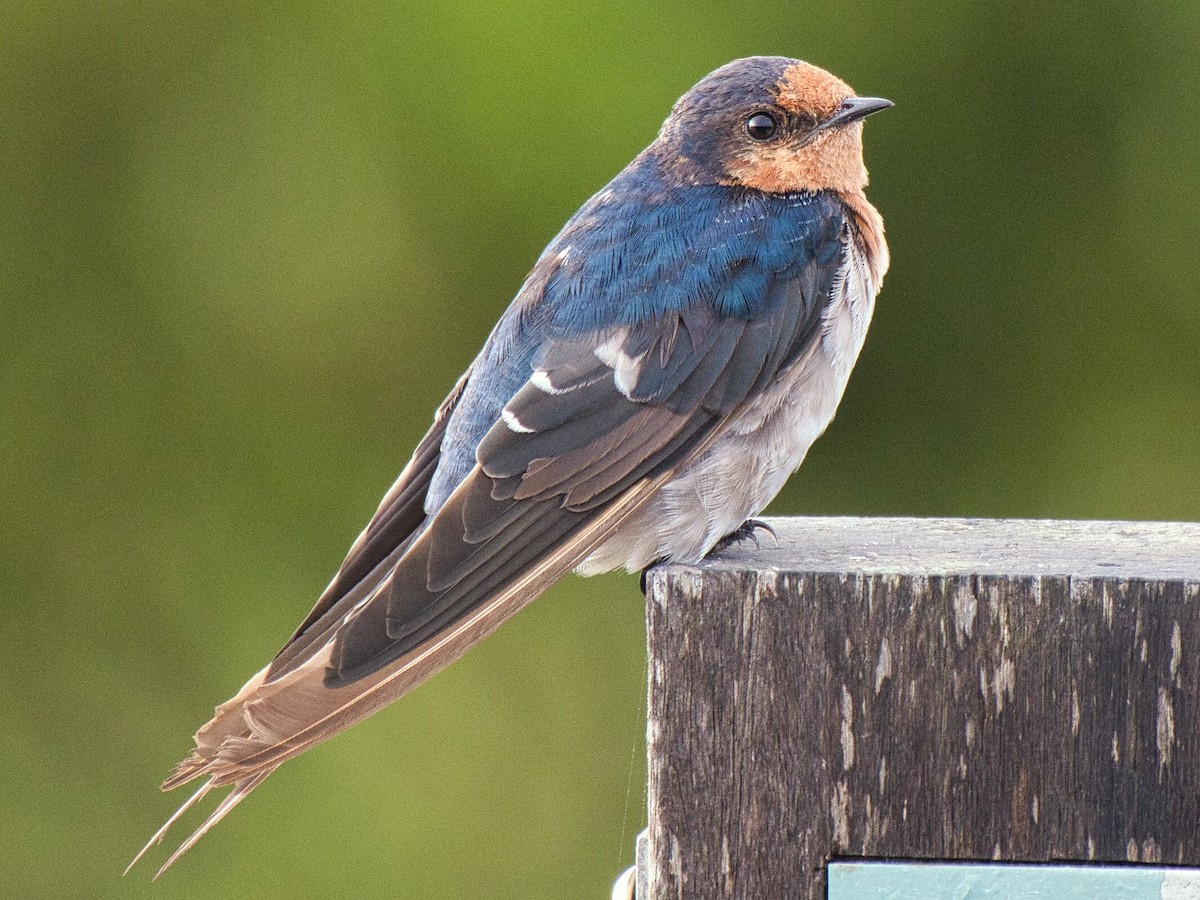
[239, 793]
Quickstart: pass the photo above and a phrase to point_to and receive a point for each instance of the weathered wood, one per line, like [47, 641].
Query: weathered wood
[929, 689]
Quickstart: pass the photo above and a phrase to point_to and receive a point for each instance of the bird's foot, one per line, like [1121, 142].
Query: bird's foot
[743, 532]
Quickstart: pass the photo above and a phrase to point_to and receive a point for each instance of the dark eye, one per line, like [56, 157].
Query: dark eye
[761, 126]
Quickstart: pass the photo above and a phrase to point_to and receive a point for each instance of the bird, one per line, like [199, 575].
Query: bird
[663, 369]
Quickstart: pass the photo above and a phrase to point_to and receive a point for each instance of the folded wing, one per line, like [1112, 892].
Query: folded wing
[606, 416]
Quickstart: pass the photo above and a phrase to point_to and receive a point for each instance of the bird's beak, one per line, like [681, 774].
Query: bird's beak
[855, 108]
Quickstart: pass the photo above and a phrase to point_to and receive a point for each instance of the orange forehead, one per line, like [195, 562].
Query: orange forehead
[806, 90]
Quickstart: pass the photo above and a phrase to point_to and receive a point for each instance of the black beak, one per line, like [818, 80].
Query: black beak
[854, 109]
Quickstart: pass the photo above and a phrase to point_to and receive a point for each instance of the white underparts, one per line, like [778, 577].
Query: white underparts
[765, 442]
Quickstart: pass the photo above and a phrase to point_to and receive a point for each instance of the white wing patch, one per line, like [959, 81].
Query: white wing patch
[626, 369]
[541, 380]
[513, 423]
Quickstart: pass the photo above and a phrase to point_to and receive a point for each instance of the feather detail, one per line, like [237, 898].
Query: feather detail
[166, 826]
[232, 799]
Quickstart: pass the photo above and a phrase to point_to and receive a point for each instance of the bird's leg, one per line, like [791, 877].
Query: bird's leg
[746, 530]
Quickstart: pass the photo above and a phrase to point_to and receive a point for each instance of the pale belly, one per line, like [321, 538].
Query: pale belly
[748, 465]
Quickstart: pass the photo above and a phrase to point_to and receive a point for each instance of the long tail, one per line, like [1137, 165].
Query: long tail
[270, 721]
[158, 835]
[241, 790]
[279, 715]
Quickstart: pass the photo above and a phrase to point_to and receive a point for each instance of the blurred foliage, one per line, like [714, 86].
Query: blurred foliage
[245, 250]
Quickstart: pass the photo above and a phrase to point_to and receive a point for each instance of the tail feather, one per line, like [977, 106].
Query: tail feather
[271, 720]
[239, 793]
[158, 835]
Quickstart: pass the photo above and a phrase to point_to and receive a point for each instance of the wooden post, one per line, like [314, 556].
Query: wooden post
[922, 689]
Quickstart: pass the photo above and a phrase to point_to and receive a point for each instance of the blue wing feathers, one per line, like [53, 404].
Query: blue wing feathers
[639, 253]
[692, 324]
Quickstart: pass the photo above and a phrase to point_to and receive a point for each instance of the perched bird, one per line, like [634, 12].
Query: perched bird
[664, 368]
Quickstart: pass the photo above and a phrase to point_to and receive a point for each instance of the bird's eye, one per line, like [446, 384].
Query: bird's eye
[761, 126]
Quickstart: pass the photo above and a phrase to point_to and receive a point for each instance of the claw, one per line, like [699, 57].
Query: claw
[746, 530]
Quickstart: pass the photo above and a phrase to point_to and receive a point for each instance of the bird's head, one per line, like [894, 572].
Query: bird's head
[769, 123]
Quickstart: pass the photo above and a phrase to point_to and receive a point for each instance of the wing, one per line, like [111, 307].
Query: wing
[601, 423]
[618, 399]
[608, 294]
[400, 515]
[612, 409]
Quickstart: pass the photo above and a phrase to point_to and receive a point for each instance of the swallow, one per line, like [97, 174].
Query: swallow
[666, 365]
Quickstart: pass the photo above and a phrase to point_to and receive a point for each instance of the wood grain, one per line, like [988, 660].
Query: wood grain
[929, 689]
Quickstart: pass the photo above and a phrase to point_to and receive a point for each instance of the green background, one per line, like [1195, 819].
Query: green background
[246, 248]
